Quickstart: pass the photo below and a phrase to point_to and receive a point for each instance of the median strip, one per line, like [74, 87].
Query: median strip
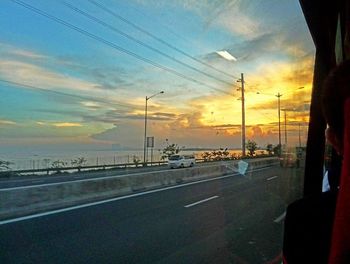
[89, 179]
[202, 201]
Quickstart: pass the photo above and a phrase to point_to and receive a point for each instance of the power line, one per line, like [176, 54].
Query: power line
[111, 44]
[93, 18]
[159, 39]
[65, 94]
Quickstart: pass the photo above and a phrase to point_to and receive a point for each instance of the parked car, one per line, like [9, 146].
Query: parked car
[181, 161]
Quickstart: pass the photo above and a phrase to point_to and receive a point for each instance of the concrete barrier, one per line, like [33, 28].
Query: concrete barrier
[26, 200]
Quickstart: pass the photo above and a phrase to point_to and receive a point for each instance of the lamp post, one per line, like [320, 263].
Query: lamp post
[278, 95]
[279, 118]
[145, 135]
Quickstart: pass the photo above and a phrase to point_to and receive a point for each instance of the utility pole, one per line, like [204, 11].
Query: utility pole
[279, 118]
[299, 137]
[285, 127]
[243, 114]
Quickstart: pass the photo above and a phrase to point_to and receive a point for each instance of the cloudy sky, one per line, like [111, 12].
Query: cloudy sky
[75, 74]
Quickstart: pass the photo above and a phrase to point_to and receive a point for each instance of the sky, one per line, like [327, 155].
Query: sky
[75, 74]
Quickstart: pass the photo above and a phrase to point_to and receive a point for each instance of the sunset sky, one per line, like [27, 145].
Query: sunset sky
[74, 74]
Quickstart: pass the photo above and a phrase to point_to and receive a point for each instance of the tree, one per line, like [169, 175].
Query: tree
[136, 160]
[57, 164]
[170, 149]
[78, 162]
[269, 149]
[277, 150]
[251, 146]
[221, 154]
[206, 156]
[5, 165]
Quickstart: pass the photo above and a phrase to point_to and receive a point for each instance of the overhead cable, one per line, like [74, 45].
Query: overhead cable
[113, 45]
[159, 39]
[109, 26]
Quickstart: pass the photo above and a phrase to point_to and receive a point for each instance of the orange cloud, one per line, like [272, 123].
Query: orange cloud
[7, 122]
[67, 124]
[258, 132]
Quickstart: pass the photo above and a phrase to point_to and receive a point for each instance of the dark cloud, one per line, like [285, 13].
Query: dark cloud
[63, 112]
[248, 50]
[252, 49]
[110, 78]
[228, 126]
[107, 77]
[99, 119]
[167, 116]
[285, 42]
[124, 134]
[113, 116]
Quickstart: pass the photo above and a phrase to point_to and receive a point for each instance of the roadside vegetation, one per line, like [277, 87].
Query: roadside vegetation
[79, 163]
[5, 165]
[170, 149]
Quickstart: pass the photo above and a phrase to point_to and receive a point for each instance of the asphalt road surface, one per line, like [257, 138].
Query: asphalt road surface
[236, 219]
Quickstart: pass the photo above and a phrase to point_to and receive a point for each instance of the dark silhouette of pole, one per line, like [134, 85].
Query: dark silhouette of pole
[278, 95]
[299, 137]
[285, 127]
[243, 113]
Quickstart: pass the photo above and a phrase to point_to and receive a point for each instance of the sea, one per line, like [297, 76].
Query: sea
[42, 160]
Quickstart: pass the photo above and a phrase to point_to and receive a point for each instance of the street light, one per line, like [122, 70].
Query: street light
[285, 126]
[278, 95]
[145, 136]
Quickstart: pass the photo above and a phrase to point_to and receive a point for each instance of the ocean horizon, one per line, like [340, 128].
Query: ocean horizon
[22, 160]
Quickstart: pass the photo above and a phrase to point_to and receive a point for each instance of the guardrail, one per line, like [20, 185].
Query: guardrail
[82, 168]
[103, 167]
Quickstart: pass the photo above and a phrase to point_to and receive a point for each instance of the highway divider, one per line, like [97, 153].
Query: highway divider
[25, 200]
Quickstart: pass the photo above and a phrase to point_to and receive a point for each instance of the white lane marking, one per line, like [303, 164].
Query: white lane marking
[14, 181]
[115, 199]
[37, 181]
[280, 218]
[271, 178]
[201, 201]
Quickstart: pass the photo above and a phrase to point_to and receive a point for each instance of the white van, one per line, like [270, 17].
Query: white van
[181, 161]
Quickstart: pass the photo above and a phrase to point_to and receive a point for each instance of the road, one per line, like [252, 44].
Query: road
[237, 219]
